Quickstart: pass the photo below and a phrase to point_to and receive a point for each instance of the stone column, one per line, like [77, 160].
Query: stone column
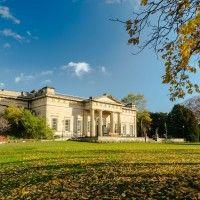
[119, 123]
[112, 129]
[135, 126]
[92, 123]
[85, 121]
[100, 123]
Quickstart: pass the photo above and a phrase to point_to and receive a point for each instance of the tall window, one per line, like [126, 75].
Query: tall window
[67, 125]
[131, 129]
[88, 126]
[116, 128]
[124, 129]
[55, 124]
[79, 127]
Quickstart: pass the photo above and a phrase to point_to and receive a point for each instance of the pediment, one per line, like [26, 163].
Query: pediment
[107, 99]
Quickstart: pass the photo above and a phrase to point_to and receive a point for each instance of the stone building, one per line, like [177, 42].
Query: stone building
[72, 116]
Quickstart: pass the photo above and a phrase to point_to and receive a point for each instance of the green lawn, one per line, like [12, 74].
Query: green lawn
[76, 170]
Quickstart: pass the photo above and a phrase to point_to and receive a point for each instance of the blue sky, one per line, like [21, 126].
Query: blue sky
[72, 46]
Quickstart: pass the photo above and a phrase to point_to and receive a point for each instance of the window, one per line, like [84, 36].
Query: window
[67, 125]
[79, 122]
[124, 129]
[104, 121]
[88, 126]
[116, 128]
[131, 129]
[55, 124]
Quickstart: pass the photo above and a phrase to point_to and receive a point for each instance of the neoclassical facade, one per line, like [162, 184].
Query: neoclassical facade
[72, 116]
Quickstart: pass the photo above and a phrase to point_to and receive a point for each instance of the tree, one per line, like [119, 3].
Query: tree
[34, 126]
[14, 116]
[172, 29]
[143, 116]
[158, 124]
[194, 105]
[182, 123]
[137, 99]
[25, 124]
[143, 123]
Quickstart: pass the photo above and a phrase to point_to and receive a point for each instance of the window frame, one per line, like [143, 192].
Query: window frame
[54, 125]
[124, 129]
[69, 125]
[131, 129]
[79, 123]
[88, 126]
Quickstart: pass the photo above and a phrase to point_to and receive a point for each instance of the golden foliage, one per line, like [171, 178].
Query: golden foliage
[176, 35]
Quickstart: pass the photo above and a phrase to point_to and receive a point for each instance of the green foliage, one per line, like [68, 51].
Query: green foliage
[183, 123]
[74, 170]
[35, 126]
[143, 116]
[143, 123]
[26, 124]
[14, 115]
[158, 124]
[136, 99]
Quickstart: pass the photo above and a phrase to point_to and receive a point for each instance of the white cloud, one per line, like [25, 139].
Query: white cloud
[79, 68]
[28, 33]
[23, 78]
[114, 1]
[10, 33]
[2, 85]
[48, 81]
[6, 14]
[37, 76]
[132, 2]
[7, 46]
[48, 72]
[104, 70]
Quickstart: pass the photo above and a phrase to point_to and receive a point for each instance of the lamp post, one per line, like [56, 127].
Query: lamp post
[166, 133]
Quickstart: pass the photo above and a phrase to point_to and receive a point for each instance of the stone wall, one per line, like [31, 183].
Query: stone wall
[8, 98]
[123, 139]
[63, 109]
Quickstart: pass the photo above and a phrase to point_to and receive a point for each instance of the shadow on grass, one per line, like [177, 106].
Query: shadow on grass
[189, 143]
[107, 177]
[45, 172]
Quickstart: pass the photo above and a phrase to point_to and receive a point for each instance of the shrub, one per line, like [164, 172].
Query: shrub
[5, 126]
[3, 138]
[35, 126]
[14, 114]
[26, 124]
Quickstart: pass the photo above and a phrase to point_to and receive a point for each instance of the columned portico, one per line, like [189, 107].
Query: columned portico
[108, 117]
[99, 118]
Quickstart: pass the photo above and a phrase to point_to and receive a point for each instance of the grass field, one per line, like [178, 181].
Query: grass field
[75, 170]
